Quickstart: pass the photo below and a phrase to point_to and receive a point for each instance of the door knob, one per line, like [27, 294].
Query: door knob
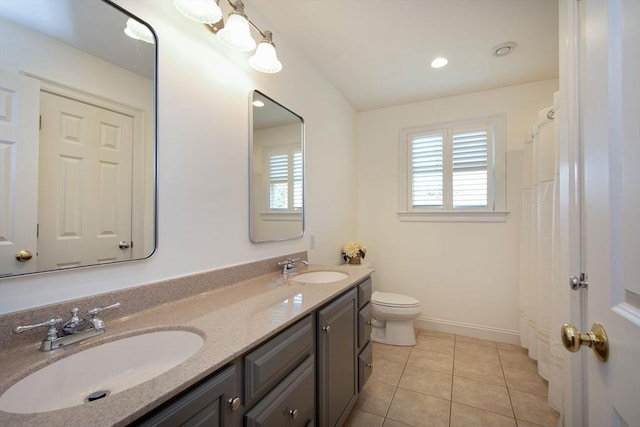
[24, 255]
[597, 339]
[124, 245]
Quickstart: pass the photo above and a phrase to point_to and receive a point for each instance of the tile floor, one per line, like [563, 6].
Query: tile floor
[451, 380]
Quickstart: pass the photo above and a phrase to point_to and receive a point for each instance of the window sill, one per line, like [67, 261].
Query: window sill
[281, 216]
[468, 216]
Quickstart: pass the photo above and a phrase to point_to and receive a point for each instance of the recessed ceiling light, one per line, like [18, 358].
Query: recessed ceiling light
[258, 103]
[439, 62]
[503, 49]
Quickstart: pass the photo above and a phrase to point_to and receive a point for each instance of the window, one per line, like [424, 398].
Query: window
[453, 169]
[285, 179]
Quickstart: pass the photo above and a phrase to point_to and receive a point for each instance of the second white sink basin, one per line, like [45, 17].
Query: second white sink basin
[320, 277]
[99, 371]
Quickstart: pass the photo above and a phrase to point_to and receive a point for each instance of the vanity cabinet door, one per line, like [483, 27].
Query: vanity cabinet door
[336, 351]
[209, 404]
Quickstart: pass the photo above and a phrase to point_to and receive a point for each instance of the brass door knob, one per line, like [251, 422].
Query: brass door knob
[24, 255]
[597, 339]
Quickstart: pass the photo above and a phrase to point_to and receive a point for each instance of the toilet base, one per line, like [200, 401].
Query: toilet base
[394, 332]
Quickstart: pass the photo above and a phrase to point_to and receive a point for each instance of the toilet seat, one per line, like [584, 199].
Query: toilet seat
[388, 299]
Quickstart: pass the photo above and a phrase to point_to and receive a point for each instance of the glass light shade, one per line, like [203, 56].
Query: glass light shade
[204, 11]
[137, 31]
[265, 59]
[236, 33]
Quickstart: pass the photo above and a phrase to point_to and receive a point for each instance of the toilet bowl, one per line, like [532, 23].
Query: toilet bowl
[393, 316]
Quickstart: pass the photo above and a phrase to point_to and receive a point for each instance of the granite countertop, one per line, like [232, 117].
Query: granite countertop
[232, 320]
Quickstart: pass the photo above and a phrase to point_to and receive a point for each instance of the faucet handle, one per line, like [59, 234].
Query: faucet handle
[52, 333]
[290, 261]
[95, 311]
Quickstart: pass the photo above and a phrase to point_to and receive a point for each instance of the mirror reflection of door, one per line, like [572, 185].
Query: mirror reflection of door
[18, 159]
[77, 50]
[85, 184]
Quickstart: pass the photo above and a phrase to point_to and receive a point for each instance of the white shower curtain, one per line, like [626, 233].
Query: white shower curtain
[539, 285]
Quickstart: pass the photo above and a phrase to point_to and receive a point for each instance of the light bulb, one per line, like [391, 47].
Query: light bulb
[439, 62]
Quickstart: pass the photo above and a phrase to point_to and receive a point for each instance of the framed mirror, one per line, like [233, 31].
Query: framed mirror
[276, 178]
[77, 135]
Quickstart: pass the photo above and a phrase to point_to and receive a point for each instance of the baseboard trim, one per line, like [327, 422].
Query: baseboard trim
[468, 330]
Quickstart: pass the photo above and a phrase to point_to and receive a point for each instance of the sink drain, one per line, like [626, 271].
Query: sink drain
[96, 395]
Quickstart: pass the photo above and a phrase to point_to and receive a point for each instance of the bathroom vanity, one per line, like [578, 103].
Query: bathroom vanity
[277, 380]
[276, 352]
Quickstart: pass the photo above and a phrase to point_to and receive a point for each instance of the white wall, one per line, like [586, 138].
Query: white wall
[203, 93]
[464, 274]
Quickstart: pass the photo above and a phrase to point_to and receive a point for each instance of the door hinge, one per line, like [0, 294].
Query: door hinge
[578, 283]
[40, 122]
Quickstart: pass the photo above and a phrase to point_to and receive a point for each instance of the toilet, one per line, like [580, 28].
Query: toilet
[393, 316]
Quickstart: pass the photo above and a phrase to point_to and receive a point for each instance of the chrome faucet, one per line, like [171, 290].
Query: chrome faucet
[290, 265]
[74, 330]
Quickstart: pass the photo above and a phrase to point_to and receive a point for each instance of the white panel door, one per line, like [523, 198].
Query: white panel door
[610, 73]
[19, 109]
[85, 183]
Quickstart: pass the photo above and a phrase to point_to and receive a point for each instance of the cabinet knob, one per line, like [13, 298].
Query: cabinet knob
[234, 403]
[370, 322]
[293, 413]
[370, 365]
[326, 329]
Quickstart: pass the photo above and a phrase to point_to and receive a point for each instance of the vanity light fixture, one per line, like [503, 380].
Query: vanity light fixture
[235, 32]
[137, 31]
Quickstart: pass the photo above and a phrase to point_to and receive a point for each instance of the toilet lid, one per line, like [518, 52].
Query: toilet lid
[393, 300]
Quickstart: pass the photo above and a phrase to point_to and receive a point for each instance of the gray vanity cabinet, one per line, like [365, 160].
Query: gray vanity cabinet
[212, 403]
[309, 373]
[365, 347]
[336, 354]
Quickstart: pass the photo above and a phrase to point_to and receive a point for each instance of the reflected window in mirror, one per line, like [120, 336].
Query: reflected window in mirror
[277, 171]
[78, 146]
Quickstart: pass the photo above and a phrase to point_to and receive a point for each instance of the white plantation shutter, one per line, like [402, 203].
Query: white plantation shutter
[278, 181]
[427, 177]
[297, 180]
[470, 174]
[451, 169]
[285, 180]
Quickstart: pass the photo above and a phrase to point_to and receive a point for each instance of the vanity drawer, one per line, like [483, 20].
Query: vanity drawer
[290, 404]
[272, 361]
[364, 325]
[365, 365]
[364, 293]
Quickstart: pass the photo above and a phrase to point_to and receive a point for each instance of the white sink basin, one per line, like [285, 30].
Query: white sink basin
[320, 277]
[99, 371]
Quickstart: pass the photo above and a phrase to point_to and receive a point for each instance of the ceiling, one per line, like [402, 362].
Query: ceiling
[377, 52]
